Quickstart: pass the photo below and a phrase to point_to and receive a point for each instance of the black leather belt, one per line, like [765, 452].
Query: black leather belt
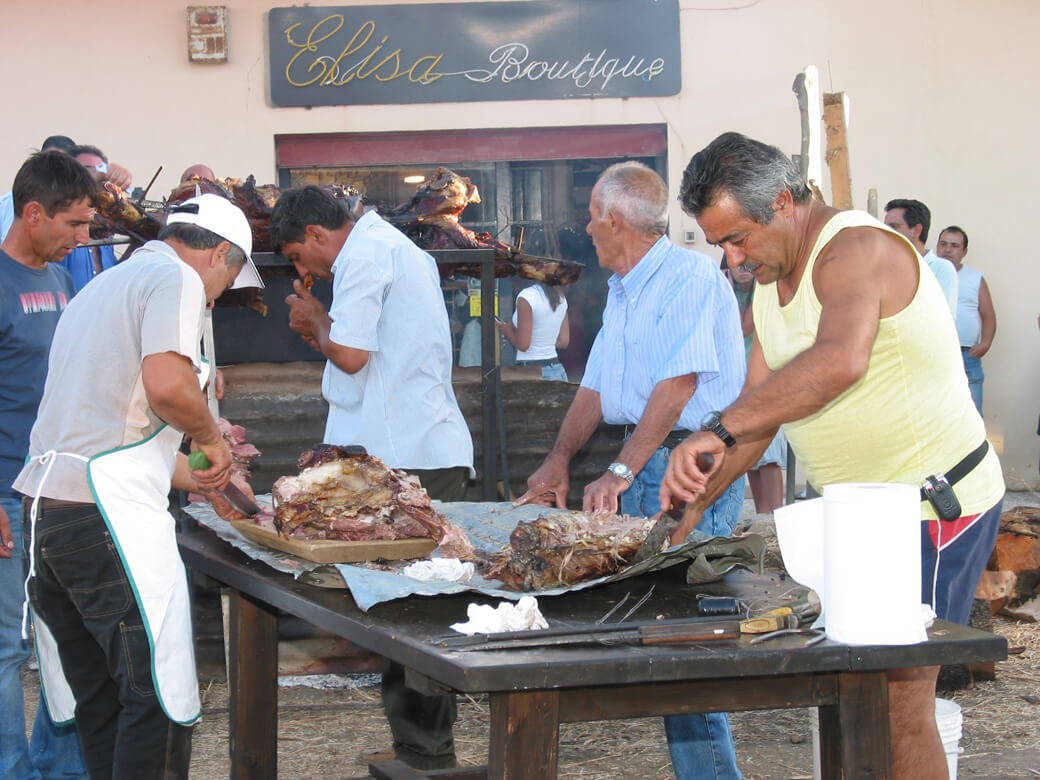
[57, 503]
[963, 467]
[544, 362]
[671, 441]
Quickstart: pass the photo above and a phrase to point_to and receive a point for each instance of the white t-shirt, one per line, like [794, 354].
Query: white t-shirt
[94, 399]
[546, 325]
[400, 406]
[969, 322]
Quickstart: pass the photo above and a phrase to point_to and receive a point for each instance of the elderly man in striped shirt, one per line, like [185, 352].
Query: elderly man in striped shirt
[669, 355]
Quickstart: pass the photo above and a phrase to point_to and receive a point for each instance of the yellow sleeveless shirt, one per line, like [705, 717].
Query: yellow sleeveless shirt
[910, 416]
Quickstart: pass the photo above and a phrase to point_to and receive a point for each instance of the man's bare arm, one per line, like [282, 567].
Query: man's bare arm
[173, 393]
[307, 317]
[6, 538]
[851, 284]
[662, 411]
[988, 316]
[552, 476]
[730, 463]
[861, 277]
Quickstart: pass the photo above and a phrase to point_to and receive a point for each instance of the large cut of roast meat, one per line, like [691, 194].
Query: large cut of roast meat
[564, 548]
[355, 497]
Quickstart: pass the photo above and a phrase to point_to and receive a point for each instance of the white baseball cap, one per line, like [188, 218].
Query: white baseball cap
[221, 216]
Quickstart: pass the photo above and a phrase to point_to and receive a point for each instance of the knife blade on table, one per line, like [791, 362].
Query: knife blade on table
[198, 461]
[661, 632]
[667, 520]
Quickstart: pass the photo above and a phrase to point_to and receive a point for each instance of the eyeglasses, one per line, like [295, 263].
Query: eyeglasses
[101, 167]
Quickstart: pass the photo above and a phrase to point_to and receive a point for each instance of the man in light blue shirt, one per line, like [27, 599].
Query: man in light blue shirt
[669, 354]
[911, 218]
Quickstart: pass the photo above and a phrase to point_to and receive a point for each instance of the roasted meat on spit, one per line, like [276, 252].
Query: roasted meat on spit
[430, 218]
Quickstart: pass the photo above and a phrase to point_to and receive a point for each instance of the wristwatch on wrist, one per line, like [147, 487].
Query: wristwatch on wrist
[621, 470]
[713, 422]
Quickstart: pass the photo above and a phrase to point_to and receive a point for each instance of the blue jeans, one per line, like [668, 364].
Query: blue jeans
[973, 368]
[54, 750]
[700, 744]
[554, 372]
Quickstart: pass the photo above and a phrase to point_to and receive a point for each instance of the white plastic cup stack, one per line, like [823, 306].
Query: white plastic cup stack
[949, 719]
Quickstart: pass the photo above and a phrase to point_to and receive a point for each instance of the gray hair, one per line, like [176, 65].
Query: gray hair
[637, 193]
[752, 172]
[197, 237]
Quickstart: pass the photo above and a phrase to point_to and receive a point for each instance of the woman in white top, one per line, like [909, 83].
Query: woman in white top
[539, 328]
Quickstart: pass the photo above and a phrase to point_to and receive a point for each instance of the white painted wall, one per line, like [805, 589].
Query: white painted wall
[942, 109]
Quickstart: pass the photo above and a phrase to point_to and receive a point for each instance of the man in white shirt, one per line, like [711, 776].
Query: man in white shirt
[976, 318]
[912, 219]
[388, 384]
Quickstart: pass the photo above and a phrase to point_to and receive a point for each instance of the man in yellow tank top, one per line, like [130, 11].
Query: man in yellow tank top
[852, 336]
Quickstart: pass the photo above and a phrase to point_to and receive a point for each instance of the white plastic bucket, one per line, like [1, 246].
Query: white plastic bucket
[948, 718]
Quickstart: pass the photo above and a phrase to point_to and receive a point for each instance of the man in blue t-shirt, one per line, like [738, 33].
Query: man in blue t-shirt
[54, 198]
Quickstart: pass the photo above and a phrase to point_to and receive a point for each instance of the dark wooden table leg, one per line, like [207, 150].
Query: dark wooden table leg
[855, 739]
[253, 680]
[525, 735]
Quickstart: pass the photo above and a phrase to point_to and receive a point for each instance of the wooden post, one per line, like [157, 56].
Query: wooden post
[806, 88]
[834, 116]
[872, 207]
[525, 733]
[254, 689]
[210, 353]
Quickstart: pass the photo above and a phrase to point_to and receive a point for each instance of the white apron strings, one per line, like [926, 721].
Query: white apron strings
[47, 460]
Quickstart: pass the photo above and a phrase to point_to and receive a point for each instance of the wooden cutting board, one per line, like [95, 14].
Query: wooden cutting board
[335, 551]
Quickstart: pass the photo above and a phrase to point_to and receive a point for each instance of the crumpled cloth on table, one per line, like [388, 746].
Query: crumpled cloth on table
[714, 559]
[524, 615]
[440, 570]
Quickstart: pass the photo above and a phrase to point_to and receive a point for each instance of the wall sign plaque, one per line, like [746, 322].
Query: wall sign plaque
[462, 52]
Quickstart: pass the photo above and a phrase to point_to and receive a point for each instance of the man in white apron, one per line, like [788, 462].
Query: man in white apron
[107, 585]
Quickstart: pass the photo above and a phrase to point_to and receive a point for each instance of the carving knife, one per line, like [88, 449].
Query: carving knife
[198, 461]
[661, 632]
[667, 520]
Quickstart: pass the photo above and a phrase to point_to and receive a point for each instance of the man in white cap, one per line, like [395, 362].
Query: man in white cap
[106, 582]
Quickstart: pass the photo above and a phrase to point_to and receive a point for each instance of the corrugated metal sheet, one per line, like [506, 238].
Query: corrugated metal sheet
[281, 407]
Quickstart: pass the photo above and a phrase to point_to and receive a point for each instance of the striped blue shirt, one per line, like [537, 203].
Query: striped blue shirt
[673, 314]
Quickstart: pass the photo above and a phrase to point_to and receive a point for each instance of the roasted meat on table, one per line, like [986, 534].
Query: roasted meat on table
[564, 548]
[340, 494]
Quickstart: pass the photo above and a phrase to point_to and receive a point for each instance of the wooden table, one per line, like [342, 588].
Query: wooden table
[532, 691]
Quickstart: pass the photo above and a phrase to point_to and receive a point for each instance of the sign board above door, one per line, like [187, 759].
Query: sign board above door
[464, 52]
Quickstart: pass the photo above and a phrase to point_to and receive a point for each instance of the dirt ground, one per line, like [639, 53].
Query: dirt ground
[323, 733]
